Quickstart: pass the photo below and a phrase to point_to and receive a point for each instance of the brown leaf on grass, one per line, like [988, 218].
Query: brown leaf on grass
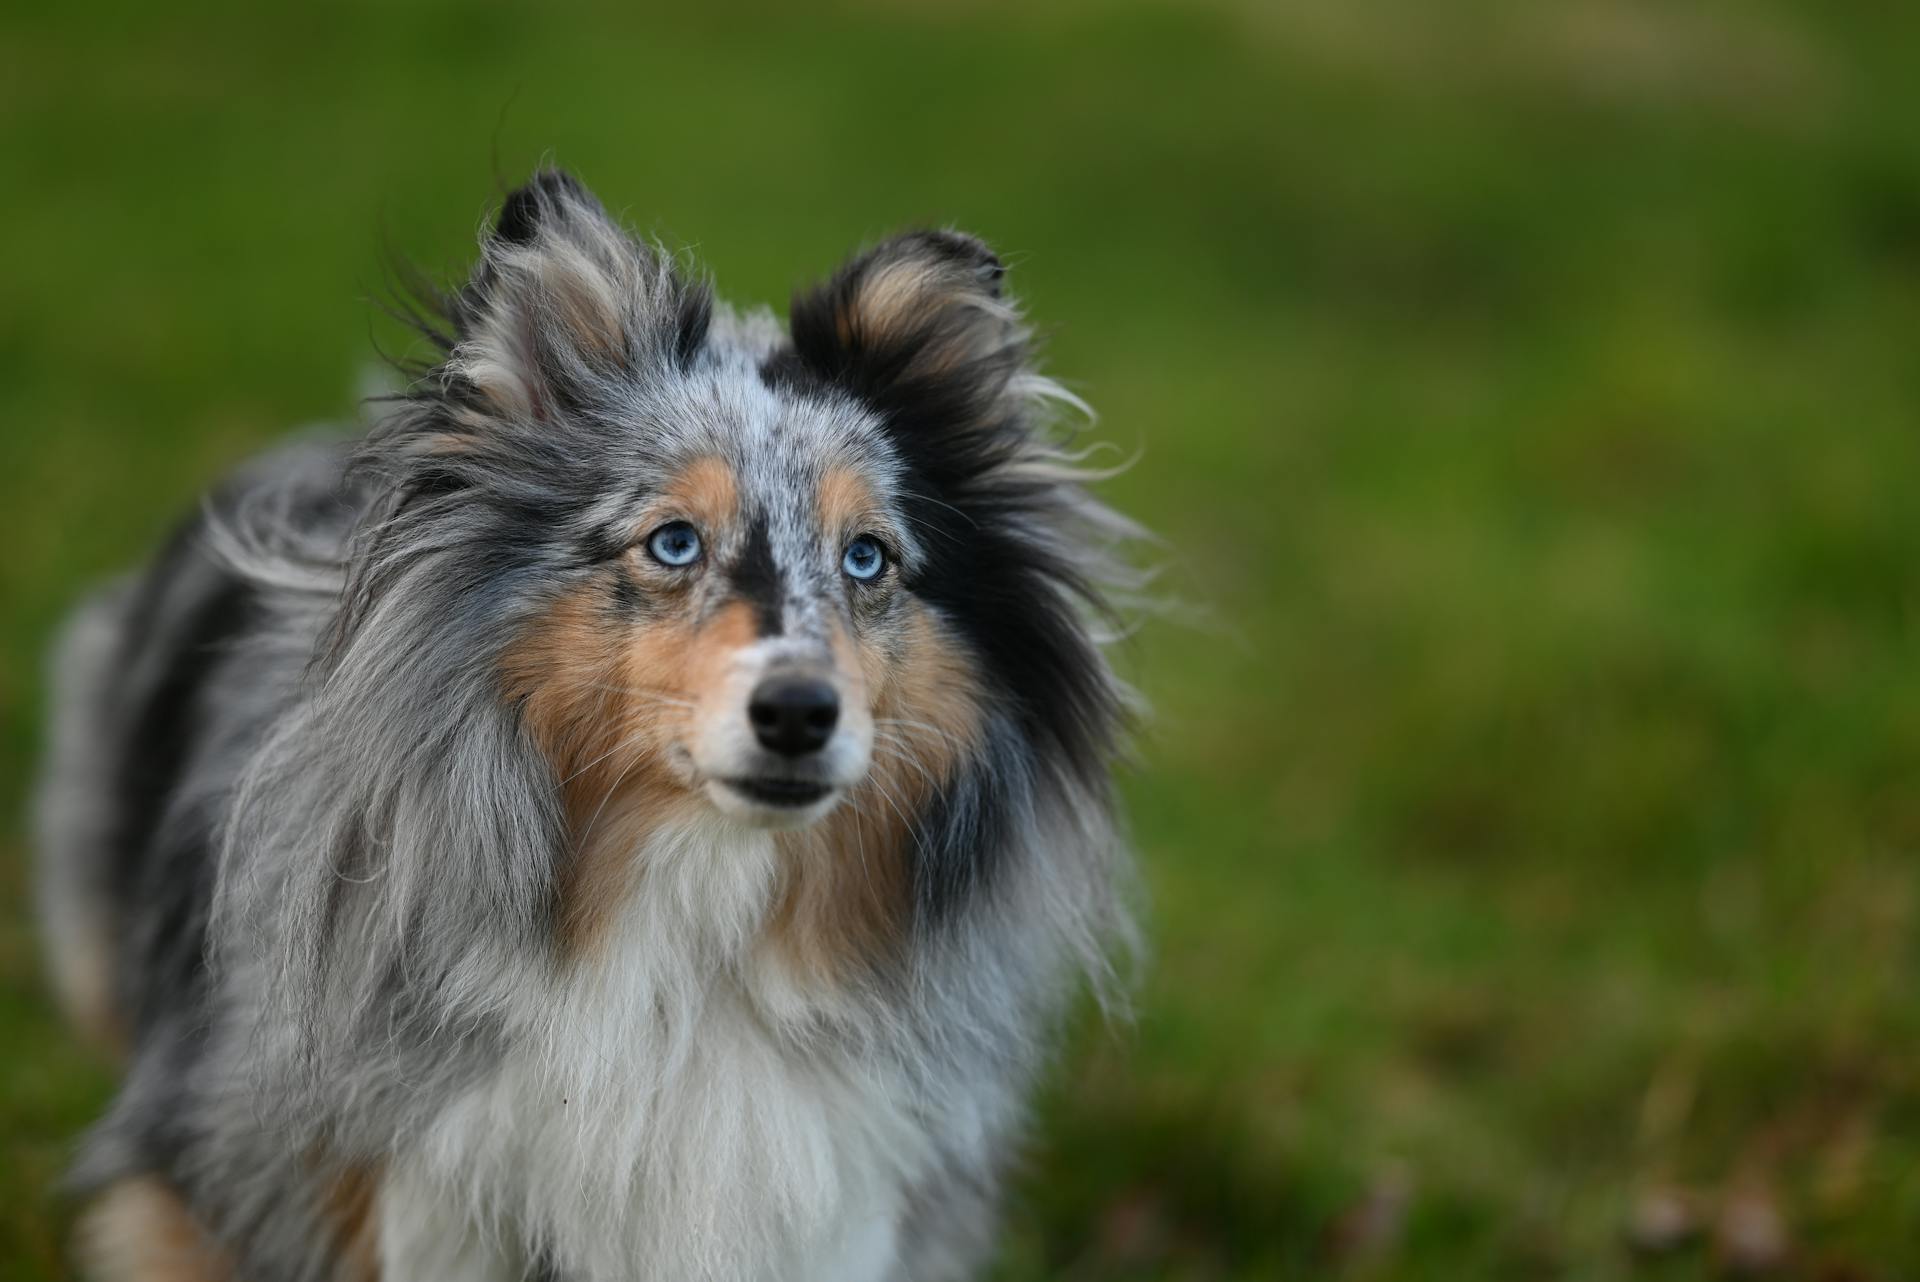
[1372, 1226]
[1841, 1165]
[1841, 1271]
[1662, 1219]
[1136, 1228]
[1750, 1234]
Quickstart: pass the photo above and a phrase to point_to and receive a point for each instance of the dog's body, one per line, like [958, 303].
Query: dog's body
[634, 815]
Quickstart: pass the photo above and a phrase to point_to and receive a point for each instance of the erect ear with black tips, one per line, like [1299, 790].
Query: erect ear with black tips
[549, 195]
[918, 319]
[563, 305]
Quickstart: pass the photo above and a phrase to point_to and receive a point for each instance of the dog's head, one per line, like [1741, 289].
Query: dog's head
[832, 574]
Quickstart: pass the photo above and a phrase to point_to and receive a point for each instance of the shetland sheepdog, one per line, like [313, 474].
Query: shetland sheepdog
[634, 813]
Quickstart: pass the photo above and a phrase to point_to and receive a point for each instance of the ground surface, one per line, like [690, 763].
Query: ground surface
[1529, 399]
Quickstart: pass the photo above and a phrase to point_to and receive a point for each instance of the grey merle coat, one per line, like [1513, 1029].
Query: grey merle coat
[632, 815]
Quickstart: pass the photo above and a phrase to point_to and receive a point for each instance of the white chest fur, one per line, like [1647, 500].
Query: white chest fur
[674, 1109]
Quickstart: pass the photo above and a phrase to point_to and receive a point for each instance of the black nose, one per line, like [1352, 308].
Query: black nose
[793, 715]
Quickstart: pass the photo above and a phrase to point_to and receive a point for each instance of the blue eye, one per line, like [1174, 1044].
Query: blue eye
[676, 543]
[864, 558]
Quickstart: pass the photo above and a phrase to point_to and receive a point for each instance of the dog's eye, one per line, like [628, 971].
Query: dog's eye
[676, 543]
[864, 558]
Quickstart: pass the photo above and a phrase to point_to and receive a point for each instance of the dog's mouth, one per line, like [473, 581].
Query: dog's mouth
[781, 794]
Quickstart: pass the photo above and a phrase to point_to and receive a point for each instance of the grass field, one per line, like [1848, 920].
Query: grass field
[1529, 395]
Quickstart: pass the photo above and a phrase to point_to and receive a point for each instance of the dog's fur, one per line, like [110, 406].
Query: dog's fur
[387, 829]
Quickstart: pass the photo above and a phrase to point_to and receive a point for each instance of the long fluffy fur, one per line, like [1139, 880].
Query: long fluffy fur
[324, 908]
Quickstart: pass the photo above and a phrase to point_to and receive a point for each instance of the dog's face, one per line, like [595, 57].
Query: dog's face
[825, 579]
[771, 579]
[756, 638]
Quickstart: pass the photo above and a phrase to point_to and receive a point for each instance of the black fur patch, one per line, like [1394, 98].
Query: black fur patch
[163, 855]
[755, 577]
[784, 371]
[528, 207]
[960, 837]
[629, 602]
[693, 316]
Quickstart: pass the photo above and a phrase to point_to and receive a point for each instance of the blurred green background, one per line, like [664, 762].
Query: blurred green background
[1530, 399]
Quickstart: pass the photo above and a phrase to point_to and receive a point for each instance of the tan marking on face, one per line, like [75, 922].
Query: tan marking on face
[846, 502]
[707, 493]
[562, 672]
[847, 881]
[140, 1230]
[605, 699]
[845, 885]
[601, 721]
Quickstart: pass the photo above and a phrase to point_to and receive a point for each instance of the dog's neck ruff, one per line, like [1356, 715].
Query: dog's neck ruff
[683, 1097]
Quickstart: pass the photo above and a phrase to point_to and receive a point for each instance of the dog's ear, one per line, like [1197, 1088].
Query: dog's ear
[565, 305]
[918, 327]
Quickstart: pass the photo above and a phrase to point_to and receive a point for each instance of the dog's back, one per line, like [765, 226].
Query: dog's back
[162, 684]
[141, 756]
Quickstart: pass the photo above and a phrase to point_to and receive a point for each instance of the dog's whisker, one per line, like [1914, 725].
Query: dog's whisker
[612, 788]
[647, 692]
[894, 753]
[631, 741]
[944, 736]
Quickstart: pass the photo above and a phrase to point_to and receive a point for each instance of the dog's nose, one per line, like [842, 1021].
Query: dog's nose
[793, 715]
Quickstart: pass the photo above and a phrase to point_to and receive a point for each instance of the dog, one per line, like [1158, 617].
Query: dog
[637, 812]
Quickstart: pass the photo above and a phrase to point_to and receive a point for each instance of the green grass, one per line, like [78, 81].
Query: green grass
[1530, 398]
